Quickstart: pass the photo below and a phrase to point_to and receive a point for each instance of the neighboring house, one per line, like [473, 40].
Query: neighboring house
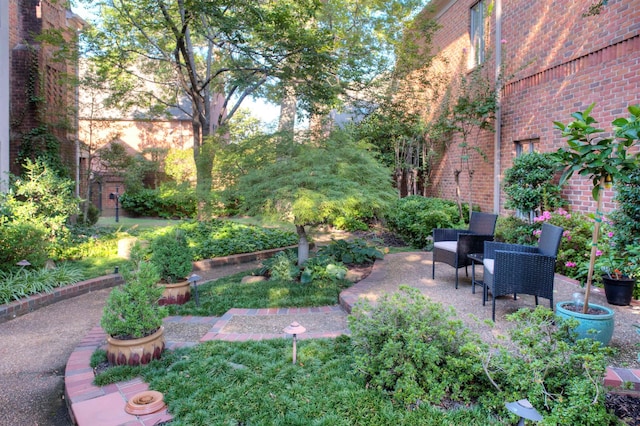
[42, 102]
[137, 136]
[558, 61]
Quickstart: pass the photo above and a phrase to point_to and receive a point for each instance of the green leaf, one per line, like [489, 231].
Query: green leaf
[635, 110]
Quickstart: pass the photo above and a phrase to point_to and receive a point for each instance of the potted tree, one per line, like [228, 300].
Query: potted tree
[172, 256]
[603, 160]
[133, 319]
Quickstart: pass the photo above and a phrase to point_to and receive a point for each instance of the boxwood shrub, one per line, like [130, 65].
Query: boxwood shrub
[415, 217]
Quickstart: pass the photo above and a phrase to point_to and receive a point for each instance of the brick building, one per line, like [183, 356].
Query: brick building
[42, 98]
[558, 58]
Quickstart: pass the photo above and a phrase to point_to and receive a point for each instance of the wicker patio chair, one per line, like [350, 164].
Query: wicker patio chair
[451, 246]
[514, 268]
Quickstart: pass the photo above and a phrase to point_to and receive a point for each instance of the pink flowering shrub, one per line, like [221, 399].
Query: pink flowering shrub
[573, 255]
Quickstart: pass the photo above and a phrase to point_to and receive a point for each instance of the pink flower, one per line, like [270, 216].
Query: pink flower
[609, 234]
[598, 252]
[537, 232]
[570, 264]
[503, 41]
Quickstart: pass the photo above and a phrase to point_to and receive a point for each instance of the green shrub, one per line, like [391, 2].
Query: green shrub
[282, 266]
[132, 311]
[529, 184]
[171, 255]
[350, 224]
[413, 349]
[168, 201]
[510, 229]
[627, 214]
[93, 214]
[355, 251]
[573, 254]
[415, 217]
[322, 267]
[22, 240]
[562, 377]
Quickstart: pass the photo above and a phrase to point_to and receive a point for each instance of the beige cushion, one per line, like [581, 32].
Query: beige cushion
[451, 246]
[488, 263]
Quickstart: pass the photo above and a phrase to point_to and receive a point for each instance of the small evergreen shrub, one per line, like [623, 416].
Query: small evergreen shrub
[355, 251]
[415, 217]
[413, 349]
[627, 214]
[171, 255]
[132, 311]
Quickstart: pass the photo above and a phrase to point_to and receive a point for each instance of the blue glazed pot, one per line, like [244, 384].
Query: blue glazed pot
[601, 324]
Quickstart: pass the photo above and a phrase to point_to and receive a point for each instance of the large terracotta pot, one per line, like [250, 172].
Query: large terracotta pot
[135, 351]
[175, 294]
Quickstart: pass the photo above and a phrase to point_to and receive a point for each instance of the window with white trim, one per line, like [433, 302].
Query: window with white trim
[476, 33]
[526, 146]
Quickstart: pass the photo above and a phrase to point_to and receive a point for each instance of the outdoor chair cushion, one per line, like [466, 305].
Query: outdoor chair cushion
[451, 246]
[488, 263]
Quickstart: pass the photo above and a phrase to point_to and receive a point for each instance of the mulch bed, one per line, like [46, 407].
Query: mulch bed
[625, 407]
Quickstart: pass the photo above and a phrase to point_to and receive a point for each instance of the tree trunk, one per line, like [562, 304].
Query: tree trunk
[287, 118]
[594, 248]
[303, 245]
[456, 175]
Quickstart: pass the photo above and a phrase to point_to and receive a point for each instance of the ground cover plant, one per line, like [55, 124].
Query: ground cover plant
[217, 297]
[15, 285]
[409, 361]
[256, 383]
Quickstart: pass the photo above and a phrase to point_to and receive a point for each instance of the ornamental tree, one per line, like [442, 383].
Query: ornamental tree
[602, 159]
[316, 182]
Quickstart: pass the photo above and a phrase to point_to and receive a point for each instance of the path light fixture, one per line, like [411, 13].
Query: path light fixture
[294, 328]
[524, 410]
[23, 263]
[193, 279]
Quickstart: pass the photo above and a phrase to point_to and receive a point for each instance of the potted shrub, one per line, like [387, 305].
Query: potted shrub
[619, 272]
[172, 256]
[133, 319]
[603, 160]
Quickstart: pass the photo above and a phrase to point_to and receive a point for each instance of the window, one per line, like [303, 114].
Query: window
[525, 146]
[476, 33]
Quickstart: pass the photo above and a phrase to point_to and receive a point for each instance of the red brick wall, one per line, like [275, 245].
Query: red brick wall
[567, 62]
[35, 72]
[561, 63]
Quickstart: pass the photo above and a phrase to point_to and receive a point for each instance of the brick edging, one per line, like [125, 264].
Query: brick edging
[37, 301]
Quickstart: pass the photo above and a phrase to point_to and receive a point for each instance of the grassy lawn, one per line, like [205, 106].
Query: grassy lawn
[217, 297]
[125, 223]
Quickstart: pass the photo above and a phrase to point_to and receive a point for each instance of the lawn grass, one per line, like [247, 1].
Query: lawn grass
[125, 223]
[217, 297]
[220, 383]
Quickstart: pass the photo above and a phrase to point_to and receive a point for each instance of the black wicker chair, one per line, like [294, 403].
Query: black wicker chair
[514, 268]
[451, 246]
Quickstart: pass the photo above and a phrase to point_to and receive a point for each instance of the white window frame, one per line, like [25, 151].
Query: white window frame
[476, 33]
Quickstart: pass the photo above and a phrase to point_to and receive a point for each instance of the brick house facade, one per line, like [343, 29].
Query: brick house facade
[558, 62]
[41, 98]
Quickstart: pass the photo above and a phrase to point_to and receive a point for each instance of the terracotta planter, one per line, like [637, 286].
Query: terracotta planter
[135, 351]
[175, 294]
[618, 291]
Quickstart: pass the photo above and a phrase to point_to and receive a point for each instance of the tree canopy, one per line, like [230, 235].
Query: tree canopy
[318, 182]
